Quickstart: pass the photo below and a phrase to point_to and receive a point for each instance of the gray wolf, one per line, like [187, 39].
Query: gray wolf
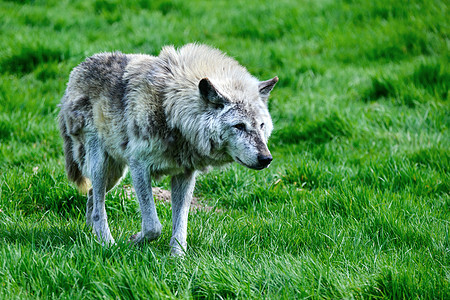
[175, 114]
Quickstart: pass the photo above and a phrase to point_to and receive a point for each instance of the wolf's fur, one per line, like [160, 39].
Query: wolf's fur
[182, 111]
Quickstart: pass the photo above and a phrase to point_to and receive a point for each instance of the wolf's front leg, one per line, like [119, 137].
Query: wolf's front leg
[151, 227]
[182, 189]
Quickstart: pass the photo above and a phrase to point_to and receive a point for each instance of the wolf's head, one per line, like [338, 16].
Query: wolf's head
[242, 121]
[218, 106]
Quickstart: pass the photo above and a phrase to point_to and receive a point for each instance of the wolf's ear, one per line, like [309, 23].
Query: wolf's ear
[265, 87]
[209, 93]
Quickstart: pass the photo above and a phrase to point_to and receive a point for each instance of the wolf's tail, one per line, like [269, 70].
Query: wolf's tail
[72, 168]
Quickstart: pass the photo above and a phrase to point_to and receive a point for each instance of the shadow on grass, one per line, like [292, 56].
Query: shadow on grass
[316, 131]
[428, 81]
[27, 58]
[40, 237]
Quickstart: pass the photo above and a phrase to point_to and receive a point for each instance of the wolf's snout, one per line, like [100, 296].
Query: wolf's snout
[264, 160]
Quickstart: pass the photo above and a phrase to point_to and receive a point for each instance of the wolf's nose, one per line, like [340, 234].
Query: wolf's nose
[264, 160]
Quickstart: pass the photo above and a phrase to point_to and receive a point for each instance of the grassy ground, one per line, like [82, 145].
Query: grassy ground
[355, 205]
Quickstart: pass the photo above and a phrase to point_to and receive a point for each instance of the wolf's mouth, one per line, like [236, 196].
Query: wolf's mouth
[250, 167]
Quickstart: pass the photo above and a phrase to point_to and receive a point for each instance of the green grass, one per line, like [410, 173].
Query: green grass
[356, 203]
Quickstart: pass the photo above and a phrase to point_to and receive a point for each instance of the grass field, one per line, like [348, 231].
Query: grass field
[356, 203]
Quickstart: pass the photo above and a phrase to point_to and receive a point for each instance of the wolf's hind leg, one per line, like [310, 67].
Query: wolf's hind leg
[89, 207]
[98, 162]
[151, 227]
[114, 173]
[182, 189]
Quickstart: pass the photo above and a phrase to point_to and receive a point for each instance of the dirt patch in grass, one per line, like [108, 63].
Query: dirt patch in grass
[165, 196]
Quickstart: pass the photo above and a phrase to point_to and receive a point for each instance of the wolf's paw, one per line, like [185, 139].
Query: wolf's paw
[111, 242]
[136, 238]
[177, 249]
[177, 252]
[149, 236]
[139, 238]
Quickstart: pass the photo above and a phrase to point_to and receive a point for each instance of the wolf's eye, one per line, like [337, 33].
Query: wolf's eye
[262, 125]
[240, 126]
